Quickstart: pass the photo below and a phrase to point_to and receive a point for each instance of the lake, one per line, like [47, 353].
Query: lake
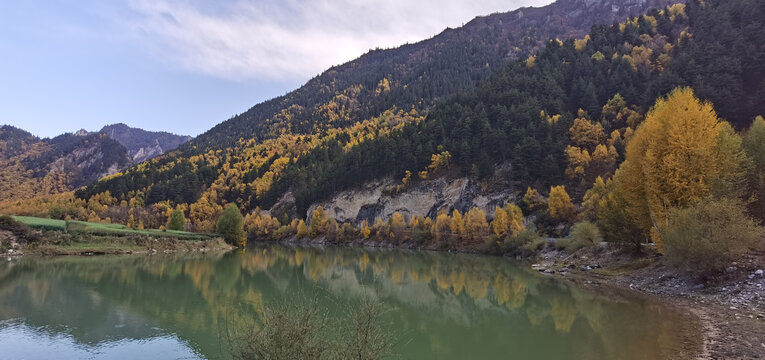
[438, 305]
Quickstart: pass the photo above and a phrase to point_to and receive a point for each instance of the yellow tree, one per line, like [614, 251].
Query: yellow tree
[515, 219]
[302, 229]
[365, 230]
[533, 199]
[476, 227]
[319, 222]
[443, 227]
[398, 225]
[585, 134]
[457, 224]
[559, 204]
[674, 159]
[500, 223]
[592, 199]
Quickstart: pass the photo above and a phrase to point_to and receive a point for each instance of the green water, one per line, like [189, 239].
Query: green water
[440, 306]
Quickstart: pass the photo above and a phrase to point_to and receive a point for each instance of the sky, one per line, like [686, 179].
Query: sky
[186, 65]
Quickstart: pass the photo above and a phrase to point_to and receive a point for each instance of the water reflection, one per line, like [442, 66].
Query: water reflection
[443, 306]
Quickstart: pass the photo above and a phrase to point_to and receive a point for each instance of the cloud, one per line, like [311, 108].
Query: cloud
[291, 39]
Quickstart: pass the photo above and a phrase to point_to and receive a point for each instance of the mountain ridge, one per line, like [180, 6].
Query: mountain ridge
[31, 166]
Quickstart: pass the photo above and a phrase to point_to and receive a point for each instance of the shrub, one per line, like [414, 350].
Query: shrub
[583, 234]
[709, 235]
[301, 331]
[287, 332]
[524, 243]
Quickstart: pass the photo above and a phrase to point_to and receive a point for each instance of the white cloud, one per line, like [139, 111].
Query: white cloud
[291, 39]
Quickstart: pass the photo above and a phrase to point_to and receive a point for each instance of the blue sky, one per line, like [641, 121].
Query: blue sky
[185, 65]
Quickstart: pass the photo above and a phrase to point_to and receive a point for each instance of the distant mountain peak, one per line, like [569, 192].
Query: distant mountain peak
[141, 144]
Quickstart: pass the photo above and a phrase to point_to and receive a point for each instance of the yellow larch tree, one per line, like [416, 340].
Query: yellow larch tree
[675, 158]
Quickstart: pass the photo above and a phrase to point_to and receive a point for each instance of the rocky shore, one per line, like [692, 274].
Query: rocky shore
[730, 306]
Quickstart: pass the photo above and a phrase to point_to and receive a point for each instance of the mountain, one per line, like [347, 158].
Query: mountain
[30, 166]
[295, 151]
[417, 75]
[143, 145]
[256, 157]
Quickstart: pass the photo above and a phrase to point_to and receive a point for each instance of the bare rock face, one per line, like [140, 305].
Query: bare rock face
[425, 198]
[143, 145]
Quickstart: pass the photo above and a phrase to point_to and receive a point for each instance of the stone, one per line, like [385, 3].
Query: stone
[758, 272]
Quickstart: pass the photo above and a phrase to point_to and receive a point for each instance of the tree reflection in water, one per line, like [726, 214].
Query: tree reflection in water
[441, 305]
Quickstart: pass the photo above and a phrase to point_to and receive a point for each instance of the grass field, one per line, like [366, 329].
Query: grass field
[71, 226]
[41, 223]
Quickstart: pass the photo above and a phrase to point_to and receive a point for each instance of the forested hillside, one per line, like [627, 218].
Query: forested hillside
[241, 159]
[530, 112]
[416, 75]
[31, 167]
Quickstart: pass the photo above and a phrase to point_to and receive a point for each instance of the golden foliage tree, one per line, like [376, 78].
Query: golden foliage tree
[443, 227]
[457, 224]
[319, 222]
[476, 226]
[533, 200]
[559, 204]
[675, 158]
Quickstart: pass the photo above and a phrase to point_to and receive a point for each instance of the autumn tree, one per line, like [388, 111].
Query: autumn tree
[319, 222]
[533, 200]
[507, 221]
[231, 226]
[443, 227]
[476, 226]
[674, 159]
[398, 226]
[302, 229]
[177, 221]
[559, 204]
[457, 224]
[592, 199]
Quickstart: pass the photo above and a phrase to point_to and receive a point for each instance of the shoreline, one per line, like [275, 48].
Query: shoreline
[730, 310]
[96, 246]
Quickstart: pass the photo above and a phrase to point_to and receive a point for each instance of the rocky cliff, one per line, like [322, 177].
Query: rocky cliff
[426, 198]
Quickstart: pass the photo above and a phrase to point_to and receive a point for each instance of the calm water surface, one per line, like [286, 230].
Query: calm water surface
[441, 306]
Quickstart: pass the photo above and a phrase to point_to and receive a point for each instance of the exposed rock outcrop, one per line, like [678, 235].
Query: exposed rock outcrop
[425, 198]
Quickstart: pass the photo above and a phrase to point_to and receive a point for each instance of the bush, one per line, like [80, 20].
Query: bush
[301, 331]
[710, 235]
[525, 243]
[583, 234]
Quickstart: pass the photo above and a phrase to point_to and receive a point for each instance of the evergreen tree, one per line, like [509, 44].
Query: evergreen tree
[177, 221]
[231, 226]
